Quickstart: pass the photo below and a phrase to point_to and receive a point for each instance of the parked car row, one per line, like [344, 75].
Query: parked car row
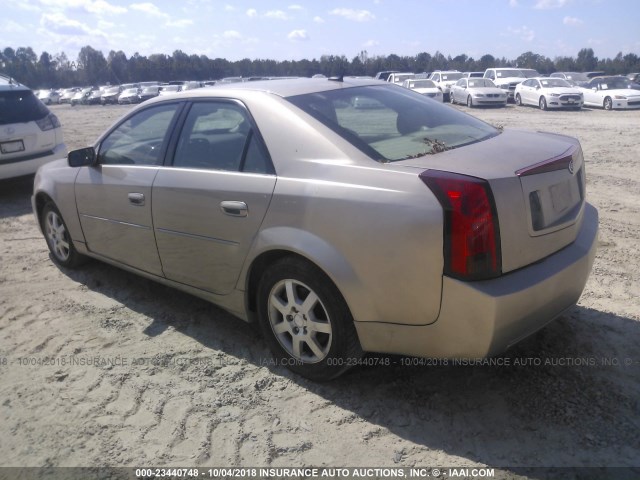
[497, 86]
[128, 93]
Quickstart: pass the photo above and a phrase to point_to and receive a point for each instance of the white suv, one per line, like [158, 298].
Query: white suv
[444, 80]
[30, 135]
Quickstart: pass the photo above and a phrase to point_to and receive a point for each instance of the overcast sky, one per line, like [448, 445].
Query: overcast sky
[297, 29]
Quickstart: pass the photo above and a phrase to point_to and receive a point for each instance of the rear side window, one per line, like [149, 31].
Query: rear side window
[219, 136]
[20, 106]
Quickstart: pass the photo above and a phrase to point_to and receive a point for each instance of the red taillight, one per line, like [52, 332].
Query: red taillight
[471, 235]
[48, 123]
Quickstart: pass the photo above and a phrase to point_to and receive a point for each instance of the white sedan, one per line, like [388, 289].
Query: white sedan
[477, 92]
[611, 93]
[548, 93]
[425, 87]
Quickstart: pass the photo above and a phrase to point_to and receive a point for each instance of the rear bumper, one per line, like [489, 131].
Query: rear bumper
[21, 167]
[480, 319]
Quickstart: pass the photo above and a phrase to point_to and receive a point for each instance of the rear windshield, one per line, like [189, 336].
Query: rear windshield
[20, 107]
[403, 124]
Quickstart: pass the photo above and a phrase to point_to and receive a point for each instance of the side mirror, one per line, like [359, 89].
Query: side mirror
[83, 157]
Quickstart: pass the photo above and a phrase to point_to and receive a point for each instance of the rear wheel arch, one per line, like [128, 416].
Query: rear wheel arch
[311, 324]
[261, 264]
[258, 266]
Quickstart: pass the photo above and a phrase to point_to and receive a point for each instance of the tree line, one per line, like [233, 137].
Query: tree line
[92, 68]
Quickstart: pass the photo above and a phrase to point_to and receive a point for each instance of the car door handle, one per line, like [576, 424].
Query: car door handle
[235, 209]
[136, 199]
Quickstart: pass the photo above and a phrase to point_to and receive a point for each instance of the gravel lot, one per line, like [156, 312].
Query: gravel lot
[101, 367]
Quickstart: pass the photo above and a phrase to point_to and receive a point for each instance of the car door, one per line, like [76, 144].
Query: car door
[534, 90]
[209, 204]
[591, 96]
[114, 196]
[527, 91]
[436, 79]
[457, 90]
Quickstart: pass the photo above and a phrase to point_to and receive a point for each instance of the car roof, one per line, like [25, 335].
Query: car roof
[286, 87]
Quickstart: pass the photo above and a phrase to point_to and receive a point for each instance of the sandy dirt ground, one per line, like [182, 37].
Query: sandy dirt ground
[101, 367]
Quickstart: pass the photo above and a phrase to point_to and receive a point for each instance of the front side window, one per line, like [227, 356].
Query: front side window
[219, 136]
[140, 138]
[405, 125]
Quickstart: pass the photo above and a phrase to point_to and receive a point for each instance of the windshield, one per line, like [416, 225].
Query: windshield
[401, 77]
[480, 82]
[421, 84]
[405, 125]
[509, 73]
[20, 107]
[527, 72]
[610, 83]
[554, 82]
[451, 76]
[111, 90]
[578, 77]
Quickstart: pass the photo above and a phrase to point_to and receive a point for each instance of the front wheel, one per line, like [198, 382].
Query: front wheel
[608, 103]
[469, 101]
[518, 100]
[59, 241]
[305, 320]
[451, 98]
[542, 103]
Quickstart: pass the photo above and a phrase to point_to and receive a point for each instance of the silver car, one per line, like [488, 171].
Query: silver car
[411, 228]
[477, 92]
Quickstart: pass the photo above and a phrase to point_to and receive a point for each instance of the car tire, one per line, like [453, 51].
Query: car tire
[306, 321]
[518, 100]
[607, 104]
[451, 98]
[63, 251]
[469, 101]
[542, 103]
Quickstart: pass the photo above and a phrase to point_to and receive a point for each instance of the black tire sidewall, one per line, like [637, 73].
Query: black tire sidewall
[344, 350]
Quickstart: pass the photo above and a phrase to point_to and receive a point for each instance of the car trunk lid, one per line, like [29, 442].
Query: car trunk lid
[537, 181]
